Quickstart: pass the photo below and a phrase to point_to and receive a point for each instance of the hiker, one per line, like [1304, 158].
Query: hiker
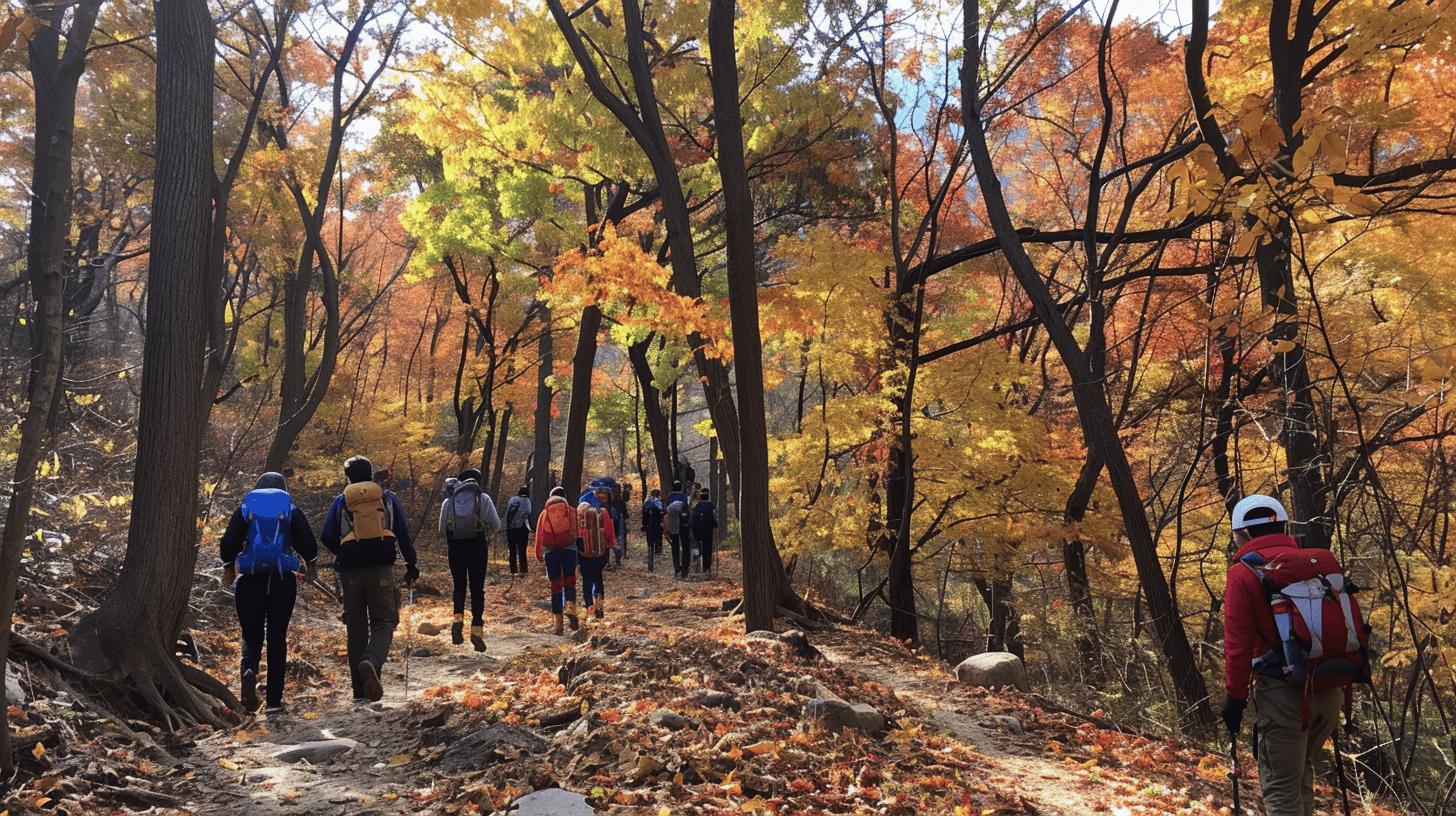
[556, 545]
[518, 528]
[366, 530]
[612, 504]
[623, 507]
[1270, 585]
[675, 520]
[652, 513]
[595, 534]
[267, 541]
[467, 520]
[704, 523]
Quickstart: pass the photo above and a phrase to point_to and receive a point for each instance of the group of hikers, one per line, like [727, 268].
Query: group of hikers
[269, 542]
[1295, 642]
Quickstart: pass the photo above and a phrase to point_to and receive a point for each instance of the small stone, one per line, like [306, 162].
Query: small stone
[837, 715]
[14, 690]
[490, 745]
[316, 751]
[420, 651]
[552, 802]
[993, 670]
[259, 776]
[718, 699]
[560, 716]
[428, 629]
[1008, 723]
[671, 720]
[870, 720]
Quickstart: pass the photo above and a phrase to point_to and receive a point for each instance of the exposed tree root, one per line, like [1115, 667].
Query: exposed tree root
[176, 693]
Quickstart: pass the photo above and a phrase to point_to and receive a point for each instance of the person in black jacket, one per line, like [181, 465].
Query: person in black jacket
[704, 524]
[265, 599]
[366, 574]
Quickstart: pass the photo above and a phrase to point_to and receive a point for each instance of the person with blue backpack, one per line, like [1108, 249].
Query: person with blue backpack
[652, 518]
[467, 520]
[267, 542]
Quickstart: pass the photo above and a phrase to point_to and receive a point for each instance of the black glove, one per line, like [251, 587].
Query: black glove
[411, 574]
[1233, 714]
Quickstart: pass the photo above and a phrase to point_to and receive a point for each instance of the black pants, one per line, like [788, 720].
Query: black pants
[265, 605]
[654, 547]
[682, 555]
[467, 563]
[516, 540]
[371, 613]
[704, 541]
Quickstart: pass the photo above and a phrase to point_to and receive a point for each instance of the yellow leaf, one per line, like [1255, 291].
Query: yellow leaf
[38, 751]
[400, 759]
[229, 764]
[1283, 346]
[310, 715]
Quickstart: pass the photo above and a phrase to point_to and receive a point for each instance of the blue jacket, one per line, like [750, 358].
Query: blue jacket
[361, 554]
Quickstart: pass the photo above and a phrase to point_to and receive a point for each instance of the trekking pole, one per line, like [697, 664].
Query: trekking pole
[1233, 772]
[1340, 774]
[408, 639]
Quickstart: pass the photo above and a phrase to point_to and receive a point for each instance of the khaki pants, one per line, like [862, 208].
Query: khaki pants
[1287, 751]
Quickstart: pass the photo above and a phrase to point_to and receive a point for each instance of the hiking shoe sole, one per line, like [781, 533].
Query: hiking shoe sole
[369, 679]
[478, 643]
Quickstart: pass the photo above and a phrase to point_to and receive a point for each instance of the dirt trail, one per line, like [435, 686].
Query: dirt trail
[381, 772]
[1047, 785]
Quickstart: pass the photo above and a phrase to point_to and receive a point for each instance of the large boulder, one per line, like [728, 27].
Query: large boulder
[993, 670]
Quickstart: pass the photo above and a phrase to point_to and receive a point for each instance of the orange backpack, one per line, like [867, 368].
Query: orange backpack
[557, 526]
[592, 522]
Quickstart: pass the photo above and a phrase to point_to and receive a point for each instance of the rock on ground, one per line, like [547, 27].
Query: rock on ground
[316, 750]
[551, 802]
[490, 745]
[837, 715]
[993, 669]
[429, 629]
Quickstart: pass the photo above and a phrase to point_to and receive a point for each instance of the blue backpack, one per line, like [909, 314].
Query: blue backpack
[268, 512]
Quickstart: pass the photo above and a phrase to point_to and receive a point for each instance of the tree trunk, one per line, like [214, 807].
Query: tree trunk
[1074, 560]
[541, 448]
[1093, 410]
[133, 632]
[656, 417]
[765, 583]
[55, 76]
[583, 365]
[1004, 633]
[500, 451]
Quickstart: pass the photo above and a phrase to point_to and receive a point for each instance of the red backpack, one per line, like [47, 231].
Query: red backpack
[557, 526]
[1323, 640]
[592, 522]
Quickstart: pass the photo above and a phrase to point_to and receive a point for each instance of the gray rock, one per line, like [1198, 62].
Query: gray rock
[14, 690]
[762, 634]
[671, 720]
[259, 776]
[552, 802]
[718, 699]
[869, 719]
[993, 670]
[428, 629]
[490, 745]
[1008, 723]
[420, 651]
[316, 751]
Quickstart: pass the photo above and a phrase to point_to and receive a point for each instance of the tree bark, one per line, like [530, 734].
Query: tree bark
[583, 365]
[653, 411]
[55, 76]
[500, 451]
[1074, 560]
[541, 444]
[1093, 409]
[133, 631]
[765, 583]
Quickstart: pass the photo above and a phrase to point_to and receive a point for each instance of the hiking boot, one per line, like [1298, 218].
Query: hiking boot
[275, 709]
[457, 632]
[560, 630]
[369, 682]
[571, 617]
[477, 637]
[600, 611]
[250, 691]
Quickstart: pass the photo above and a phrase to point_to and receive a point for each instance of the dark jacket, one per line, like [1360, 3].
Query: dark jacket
[652, 513]
[375, 553]
[704, 520]
[300, 537]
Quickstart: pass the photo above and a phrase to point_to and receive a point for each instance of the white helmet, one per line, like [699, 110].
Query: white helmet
[1258, 509]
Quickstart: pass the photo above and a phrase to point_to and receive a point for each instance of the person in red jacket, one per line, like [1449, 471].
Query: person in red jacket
[1290, 727]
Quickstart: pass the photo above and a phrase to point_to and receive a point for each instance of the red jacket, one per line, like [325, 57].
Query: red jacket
[1248, 622]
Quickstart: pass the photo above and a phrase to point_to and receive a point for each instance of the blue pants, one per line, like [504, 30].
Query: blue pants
[591, 579]
[561, 570]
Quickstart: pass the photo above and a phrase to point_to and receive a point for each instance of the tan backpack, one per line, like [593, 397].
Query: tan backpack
[366, 515]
